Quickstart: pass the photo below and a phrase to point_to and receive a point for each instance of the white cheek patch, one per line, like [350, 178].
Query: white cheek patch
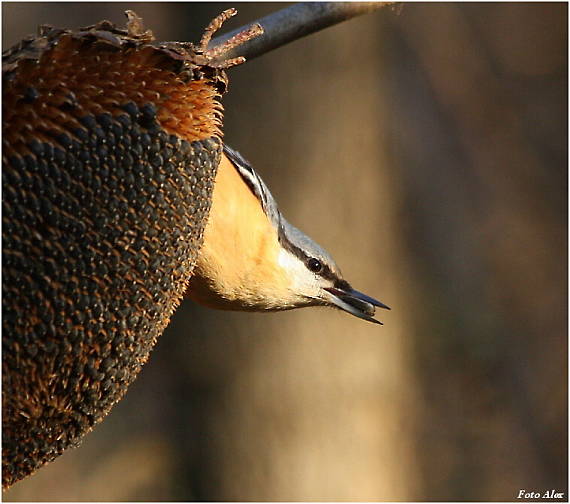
[286, 259]
[301, 281]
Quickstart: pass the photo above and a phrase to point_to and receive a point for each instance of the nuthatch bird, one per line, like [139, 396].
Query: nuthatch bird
[252, 259]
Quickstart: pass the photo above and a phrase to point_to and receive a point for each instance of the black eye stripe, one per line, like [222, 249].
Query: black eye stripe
[327, 273]
[291, 247]
[343, 285]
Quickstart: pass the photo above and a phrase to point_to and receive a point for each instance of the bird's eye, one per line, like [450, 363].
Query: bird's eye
[314, 265]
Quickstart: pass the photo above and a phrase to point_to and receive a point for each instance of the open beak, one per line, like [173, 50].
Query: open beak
[356, 303]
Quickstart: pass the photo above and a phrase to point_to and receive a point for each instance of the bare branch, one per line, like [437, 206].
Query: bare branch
[289, 24]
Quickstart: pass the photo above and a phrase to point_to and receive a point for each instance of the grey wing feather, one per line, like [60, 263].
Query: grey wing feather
[257, 186]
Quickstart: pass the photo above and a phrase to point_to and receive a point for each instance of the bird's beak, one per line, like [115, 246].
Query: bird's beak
[356, 303]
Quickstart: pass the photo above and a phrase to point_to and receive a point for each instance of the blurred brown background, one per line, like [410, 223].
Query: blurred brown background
[426, 149]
